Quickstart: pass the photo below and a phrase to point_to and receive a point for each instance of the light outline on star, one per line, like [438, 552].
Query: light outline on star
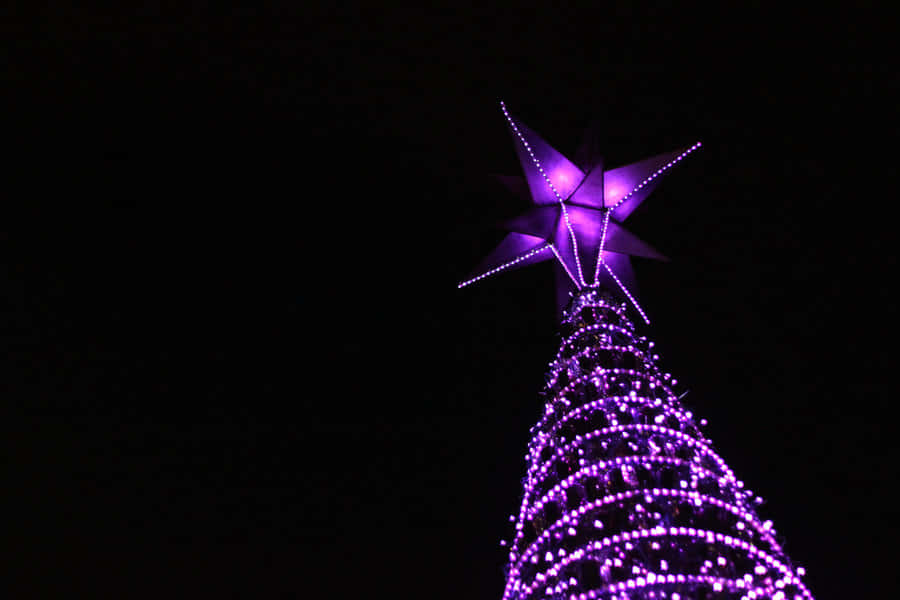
[525, 236]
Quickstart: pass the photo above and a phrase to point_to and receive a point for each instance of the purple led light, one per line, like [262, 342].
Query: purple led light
[664, 431]
[564, 266]
[624, 498]
[738, 511]
[628, 294]
[600, 251]
[504, 266]
[562, 204]
[596, 469]
[580, 213]
[709, 536]
[622, 432]
[667, 410]
[656, 174]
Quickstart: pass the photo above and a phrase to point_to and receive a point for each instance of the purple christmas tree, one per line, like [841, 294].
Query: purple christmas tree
[624, 496]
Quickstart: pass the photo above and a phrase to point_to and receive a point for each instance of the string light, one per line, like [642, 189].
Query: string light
[766, 561]
[525, 256]
[628, 294]
[600, 260]
[562, 204]
[682, 438]
[656, 174]
[564, 266]
[644, 483]
[654, 493]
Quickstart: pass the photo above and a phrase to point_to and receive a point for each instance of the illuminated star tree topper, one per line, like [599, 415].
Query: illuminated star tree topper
[576, 216]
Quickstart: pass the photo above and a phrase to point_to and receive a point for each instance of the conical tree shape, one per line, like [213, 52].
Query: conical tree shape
[624, 496]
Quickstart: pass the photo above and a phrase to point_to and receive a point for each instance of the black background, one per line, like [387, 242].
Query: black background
[236, 361]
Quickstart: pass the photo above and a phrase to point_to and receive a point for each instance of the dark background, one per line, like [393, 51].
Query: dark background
[235, 359]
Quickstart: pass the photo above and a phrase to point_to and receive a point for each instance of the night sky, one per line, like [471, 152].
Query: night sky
[235, 359]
